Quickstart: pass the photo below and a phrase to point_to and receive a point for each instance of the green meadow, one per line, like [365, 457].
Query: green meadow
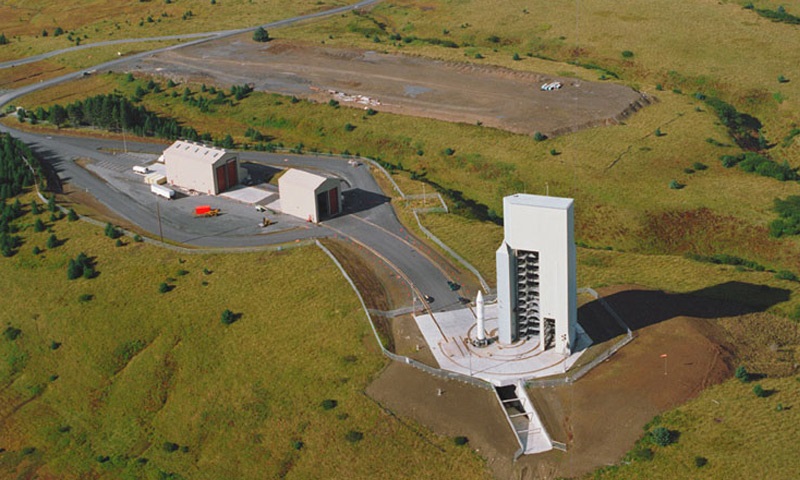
[108, 377]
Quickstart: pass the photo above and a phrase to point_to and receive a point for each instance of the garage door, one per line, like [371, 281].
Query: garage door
[333, 201]
[221, 183]
[233, 174]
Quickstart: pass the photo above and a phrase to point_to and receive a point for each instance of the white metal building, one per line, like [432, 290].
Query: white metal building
[536, 284]
[309, 196]
[199, 167]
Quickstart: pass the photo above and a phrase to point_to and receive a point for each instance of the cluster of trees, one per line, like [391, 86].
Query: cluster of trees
[80, 266]
[788, 221]
[15, 174]
[115, 113]
[755, 163]
[778, 15]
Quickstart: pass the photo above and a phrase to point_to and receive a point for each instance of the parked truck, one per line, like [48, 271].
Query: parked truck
[162, 191]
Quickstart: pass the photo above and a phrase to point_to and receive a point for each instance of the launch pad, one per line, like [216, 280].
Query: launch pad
[453, 339]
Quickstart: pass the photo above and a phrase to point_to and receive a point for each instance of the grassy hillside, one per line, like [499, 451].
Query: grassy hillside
[24, 23]
[99, 377]
[728, 431]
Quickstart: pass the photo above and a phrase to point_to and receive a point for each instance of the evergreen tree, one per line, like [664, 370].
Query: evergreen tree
[3, 39]
[261, 35]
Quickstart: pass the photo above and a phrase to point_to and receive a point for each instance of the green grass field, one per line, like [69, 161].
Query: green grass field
[132, 369]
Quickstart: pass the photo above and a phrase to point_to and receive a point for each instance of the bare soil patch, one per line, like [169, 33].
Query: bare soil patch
[450, 91]
[601, 415]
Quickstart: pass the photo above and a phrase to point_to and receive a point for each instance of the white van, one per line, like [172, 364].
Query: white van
[141, 170]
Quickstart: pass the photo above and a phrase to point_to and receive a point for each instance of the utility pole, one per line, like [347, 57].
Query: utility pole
[158, 213]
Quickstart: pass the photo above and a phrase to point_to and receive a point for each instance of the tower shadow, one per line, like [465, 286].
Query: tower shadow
[640, 308]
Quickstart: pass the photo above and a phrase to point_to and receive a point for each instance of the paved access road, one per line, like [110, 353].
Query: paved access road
[369, 219]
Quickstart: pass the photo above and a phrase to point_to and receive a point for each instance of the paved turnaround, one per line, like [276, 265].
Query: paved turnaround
[369, 218]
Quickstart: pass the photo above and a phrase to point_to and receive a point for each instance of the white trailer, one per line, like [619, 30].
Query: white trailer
[162, 191]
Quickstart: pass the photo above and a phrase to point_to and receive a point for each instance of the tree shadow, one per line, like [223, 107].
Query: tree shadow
[639, 308]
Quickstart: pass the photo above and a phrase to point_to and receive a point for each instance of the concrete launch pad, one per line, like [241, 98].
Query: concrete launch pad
[450, 337]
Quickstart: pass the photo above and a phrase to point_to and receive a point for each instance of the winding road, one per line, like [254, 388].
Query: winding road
[369, 220]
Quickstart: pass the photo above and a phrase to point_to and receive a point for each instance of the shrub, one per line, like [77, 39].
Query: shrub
[554, 152]
[170, 447]
[782, 79]
[182, 272]
[298, 444]
[74, 270]
[642, 454]
[227, 317]
[759, 391]
[72, 215]
[779, 407]
[333, 103]
[112, 232]
[206, 271]
[354, 436]
[676, 185]
[461, 440]
[699, 166]
[88, 272]
[449, 151]
[700, 462]
[516, 57]
[742, 374]
[11, 333]
[661, 436]
[658, 133]
[138, 238]
[329, 404]
[103, 458]
[163, 287]
[85, 297]
[627, 54]
[539, 136]
[349, 127]
[119, 242]
[54, 345]
[36, 250]
[786, 275]
[38, 225]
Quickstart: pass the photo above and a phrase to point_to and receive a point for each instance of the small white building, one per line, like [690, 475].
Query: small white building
[536, 283]
[309, 196]
[199, 167]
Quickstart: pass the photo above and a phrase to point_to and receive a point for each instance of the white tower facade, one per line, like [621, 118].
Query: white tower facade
[536, 267]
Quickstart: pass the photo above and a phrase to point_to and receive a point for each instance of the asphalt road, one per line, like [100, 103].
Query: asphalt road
[368, 219]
